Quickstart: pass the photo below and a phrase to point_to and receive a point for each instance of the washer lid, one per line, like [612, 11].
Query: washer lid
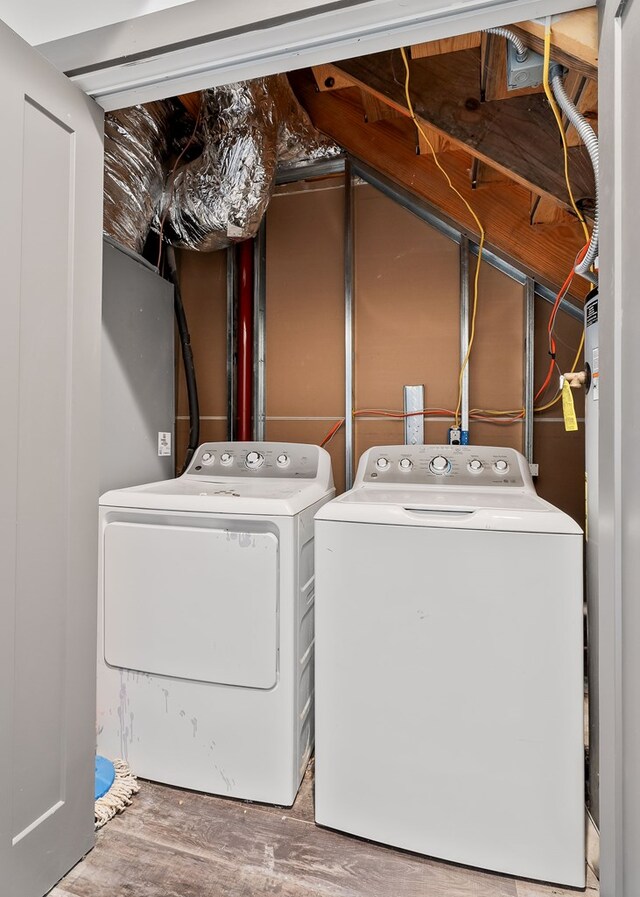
[456, 487]
[468, 510]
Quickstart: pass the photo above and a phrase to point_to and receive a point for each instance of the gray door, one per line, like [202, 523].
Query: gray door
[50, 250]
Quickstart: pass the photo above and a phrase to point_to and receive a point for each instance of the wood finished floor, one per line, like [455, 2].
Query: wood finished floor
[174, 843]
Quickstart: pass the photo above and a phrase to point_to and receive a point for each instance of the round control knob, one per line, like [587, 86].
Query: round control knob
[475, 465]
[254, 460]
[226, 458]
[406, 464]
[439, 464]
[501, 467]
[208, 458]
[382, 463]
[282, 460]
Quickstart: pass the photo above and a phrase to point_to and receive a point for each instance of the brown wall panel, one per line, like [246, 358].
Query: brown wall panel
[305, 305]
[407, 302]
[496, 368]
[203, 281]
[561, 459]
[210, 431]
[312, 431]
[567, 333]
[406, 331]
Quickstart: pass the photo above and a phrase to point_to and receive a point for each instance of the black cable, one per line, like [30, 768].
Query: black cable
[187, 360]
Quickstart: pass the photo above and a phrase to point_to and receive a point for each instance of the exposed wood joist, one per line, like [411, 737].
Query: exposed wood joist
[584, 93]
[516, 136]
[505, 210]
[574, 39]
[330, 78]
[375, 109]
[545, 211]
[192, 102]
[447, 45]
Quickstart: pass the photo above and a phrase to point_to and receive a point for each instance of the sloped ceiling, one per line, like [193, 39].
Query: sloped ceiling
[501, 148]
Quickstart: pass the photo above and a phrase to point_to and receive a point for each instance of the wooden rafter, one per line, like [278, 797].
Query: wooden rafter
[448, 45]
[574, 39]
[516, 136]
[505, 210]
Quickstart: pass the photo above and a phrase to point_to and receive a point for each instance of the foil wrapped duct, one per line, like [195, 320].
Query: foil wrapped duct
[298, 139]
[137, 146]
[221, 196]
[247, 129]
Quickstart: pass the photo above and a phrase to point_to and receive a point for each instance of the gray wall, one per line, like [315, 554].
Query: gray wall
[138, 399]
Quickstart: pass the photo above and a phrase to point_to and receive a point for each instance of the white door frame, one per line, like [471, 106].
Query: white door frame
[193, 46]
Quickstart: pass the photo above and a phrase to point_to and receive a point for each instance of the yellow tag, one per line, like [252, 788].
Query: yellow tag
[568, 410]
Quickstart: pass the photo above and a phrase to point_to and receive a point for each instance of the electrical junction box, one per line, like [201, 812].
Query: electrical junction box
[523, 74]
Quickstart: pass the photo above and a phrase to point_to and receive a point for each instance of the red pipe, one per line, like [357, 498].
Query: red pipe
[244, 358]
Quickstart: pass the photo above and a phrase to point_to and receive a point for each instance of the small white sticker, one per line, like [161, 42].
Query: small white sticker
[233, 230]
[595, 373]
[164, 445]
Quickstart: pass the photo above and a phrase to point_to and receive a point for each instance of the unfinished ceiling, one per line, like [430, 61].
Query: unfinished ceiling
[501, 148]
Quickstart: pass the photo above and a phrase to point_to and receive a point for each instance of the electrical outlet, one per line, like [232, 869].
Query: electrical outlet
[455, 436]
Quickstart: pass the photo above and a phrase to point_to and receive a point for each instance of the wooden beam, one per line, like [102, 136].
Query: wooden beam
[574, 39]
[517, 136]
[388, 146]
[191, 102]
[375, 109]
[447, 45]
[435, 142]
[328, 77]
[483, 175]
[546, 211]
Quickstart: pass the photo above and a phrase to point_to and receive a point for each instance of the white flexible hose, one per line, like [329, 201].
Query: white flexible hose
[590, 140]
[522, 51]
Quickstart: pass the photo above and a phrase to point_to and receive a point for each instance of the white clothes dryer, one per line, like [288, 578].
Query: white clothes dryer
[206, 630]
[449, 664]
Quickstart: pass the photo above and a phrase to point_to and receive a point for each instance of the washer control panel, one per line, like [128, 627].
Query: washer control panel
[255, 459]
[444, 465]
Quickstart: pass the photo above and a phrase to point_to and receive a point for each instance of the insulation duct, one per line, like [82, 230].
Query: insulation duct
[136, 150]
[218, 198]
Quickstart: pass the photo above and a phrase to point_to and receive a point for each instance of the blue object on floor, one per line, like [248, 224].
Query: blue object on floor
[105, 776]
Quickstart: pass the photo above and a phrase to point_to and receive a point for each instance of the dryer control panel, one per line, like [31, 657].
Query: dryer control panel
[284, 460]
[445, 465]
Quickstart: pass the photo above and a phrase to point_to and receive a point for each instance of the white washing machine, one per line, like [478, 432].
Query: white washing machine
[205, 634]
[449, 667]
